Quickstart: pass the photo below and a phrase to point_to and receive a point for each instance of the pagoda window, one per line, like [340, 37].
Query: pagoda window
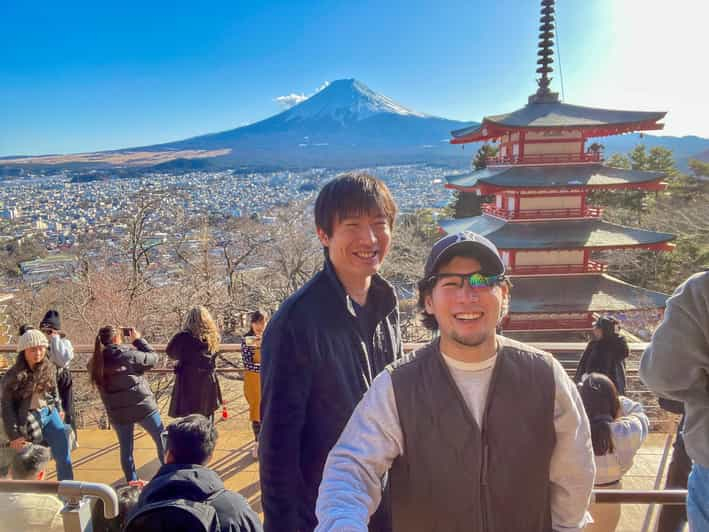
[503, 150]
[514, 137]
[498, 201]
[506, 258]
[510, 203]
[515, 149]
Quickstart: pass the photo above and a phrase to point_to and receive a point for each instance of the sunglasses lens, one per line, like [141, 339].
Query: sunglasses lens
[478, 280]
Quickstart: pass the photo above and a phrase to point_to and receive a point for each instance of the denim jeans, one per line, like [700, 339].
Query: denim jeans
[698, 498]
[153, 426]
[55, 433]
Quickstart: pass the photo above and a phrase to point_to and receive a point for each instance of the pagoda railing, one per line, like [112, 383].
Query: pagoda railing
[551, 158]
[556, 269]
[547, 325]
[541, 214]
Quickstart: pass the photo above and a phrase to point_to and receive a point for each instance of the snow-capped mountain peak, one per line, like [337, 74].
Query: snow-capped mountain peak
[346, 100]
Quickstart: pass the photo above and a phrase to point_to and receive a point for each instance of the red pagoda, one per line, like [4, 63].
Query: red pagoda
[541, 221]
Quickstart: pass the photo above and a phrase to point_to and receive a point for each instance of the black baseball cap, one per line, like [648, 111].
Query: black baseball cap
[465, 243]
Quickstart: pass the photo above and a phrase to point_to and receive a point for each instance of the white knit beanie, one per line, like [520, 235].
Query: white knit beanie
[31, 338]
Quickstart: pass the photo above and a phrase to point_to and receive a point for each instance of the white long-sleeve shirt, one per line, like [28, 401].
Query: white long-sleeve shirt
[628, 432]
[351, 486]
[61, 352]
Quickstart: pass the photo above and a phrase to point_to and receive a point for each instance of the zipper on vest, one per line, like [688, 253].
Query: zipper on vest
[483, 474]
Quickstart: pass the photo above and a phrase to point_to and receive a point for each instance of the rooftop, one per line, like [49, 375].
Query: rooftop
[568, 176]
[563, 234]
[558, 115]
[594, 293]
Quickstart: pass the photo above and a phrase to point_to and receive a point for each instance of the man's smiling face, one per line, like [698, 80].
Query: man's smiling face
[467, 317]
[358, 244]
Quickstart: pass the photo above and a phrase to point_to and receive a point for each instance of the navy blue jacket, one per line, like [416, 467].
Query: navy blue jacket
[197, 483]
[315, 368]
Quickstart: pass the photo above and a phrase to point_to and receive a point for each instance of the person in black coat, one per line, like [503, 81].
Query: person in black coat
[196, 389]
[605, 354]
[117, 371]
[322, 349]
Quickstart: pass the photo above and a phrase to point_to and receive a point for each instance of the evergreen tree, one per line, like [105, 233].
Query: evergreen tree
[466, 204]
[486, 151]
[619, 160]
[699, 168]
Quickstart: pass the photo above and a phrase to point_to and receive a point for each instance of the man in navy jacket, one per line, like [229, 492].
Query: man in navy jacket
[322, 349]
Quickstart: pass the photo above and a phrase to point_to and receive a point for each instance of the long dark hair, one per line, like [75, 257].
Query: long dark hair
[104, 338]
[600, 399]
[22, 381]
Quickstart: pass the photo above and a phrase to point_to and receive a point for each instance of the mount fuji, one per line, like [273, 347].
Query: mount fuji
[344, 124]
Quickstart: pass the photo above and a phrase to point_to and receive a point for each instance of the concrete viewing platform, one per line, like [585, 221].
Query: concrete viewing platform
[97, 460]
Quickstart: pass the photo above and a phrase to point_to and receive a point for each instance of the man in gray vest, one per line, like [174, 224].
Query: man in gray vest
[479, 433]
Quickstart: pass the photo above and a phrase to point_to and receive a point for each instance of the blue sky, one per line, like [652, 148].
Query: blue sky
[83, 76]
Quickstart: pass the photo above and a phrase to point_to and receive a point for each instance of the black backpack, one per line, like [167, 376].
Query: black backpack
[176, 515]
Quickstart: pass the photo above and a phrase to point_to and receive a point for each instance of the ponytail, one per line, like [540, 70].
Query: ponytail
[95, 366]
[600, 400]
[601, 435]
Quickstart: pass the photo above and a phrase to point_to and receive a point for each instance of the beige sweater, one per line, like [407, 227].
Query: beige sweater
[676, 363]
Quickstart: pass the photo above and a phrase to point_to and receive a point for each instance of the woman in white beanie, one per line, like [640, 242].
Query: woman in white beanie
[31, 405]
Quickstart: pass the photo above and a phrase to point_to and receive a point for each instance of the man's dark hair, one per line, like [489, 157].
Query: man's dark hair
[191, 439]
[28, 462]
[352, 194]
[425, 286]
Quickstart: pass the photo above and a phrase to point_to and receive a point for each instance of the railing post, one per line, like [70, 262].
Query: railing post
[76, 513]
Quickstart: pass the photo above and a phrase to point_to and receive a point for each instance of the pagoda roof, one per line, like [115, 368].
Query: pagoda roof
[557, 234]
[558, 115]
[553, 176]
[593, 293]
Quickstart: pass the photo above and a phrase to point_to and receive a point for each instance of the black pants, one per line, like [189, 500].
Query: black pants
[674, 517]
[65, 384]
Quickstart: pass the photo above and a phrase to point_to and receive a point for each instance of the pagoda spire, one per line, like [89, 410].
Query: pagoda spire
[546, 55]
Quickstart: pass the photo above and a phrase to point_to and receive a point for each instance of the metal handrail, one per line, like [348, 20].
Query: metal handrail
[554, 347]
[623, 496]
[558, 348]
[70, 490]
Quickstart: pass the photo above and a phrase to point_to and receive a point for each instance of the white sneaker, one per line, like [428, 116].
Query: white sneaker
[254, 451]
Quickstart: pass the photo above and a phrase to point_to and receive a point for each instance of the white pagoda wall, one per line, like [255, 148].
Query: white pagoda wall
[544, 258]
[547, 135]
[553, 148]
[553, 202]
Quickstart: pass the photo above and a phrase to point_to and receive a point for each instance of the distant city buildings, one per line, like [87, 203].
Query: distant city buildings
[59, 212]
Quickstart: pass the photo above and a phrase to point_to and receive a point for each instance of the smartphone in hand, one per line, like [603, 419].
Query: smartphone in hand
[127, 332]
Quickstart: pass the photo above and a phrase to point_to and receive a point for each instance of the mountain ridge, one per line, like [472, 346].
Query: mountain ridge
[344, 124]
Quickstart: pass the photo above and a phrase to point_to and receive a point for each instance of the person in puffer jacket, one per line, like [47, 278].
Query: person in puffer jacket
[117, 370]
